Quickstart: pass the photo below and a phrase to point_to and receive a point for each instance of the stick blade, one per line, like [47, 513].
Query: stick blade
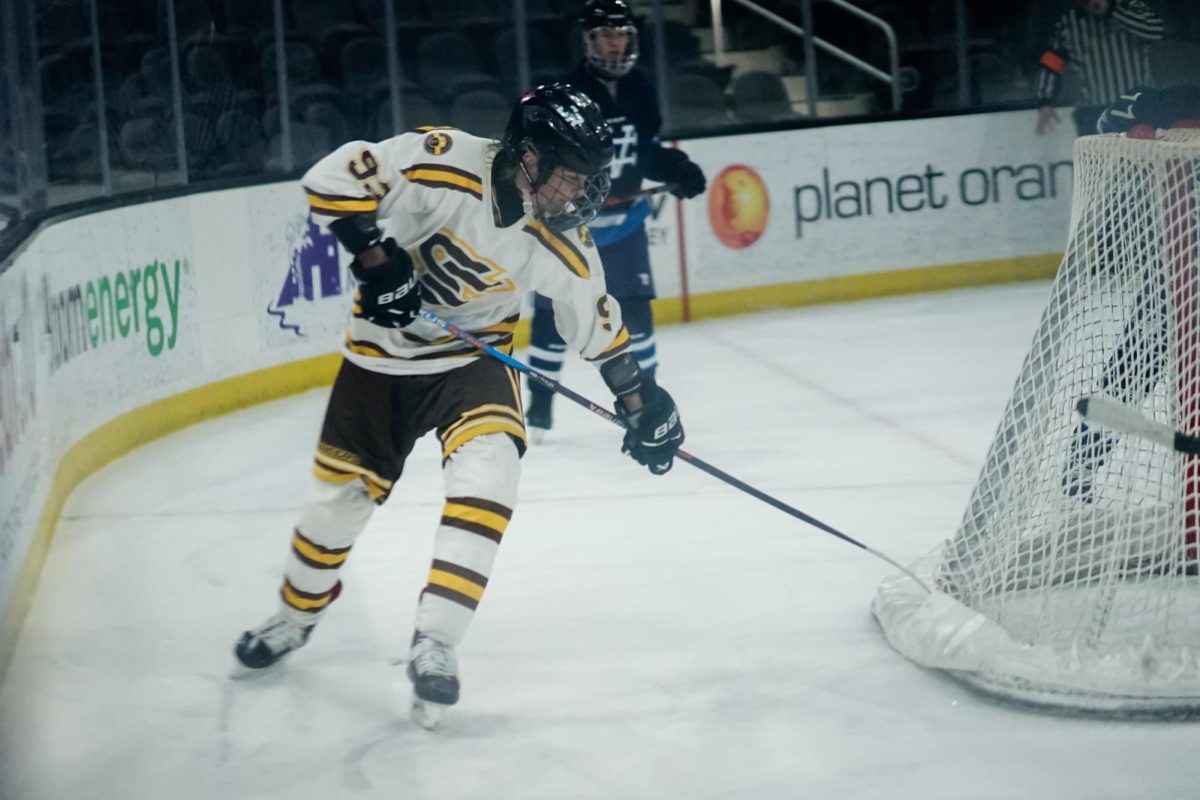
[1109, 413]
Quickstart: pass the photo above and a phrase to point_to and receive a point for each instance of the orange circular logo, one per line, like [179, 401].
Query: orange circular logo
[738, 206]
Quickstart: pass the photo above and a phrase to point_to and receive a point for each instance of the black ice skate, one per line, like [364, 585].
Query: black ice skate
[538, 417]
[263, 646]
[433, 670]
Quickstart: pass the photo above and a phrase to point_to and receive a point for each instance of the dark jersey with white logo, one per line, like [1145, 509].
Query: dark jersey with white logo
[634, 118]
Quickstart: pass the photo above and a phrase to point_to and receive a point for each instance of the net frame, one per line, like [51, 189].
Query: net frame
[1072, 581]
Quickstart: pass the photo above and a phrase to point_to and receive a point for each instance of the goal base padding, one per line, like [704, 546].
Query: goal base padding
[939, 632]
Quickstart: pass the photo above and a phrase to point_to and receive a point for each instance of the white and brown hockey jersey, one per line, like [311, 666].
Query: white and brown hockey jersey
[431, 191]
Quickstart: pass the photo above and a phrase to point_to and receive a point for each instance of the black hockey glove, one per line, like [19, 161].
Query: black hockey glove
[1158, 108]
[655, 433]
[673, 167]
[388, 294]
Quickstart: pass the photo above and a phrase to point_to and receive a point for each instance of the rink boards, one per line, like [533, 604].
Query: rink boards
[123, 325]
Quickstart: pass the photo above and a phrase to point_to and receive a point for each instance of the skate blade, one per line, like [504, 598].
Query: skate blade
[427, 714]
[240, 672]
[537, 435]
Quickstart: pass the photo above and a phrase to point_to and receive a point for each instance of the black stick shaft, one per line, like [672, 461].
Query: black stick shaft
[700, 464]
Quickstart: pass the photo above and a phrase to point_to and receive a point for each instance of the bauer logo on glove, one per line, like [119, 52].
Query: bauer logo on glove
[388, 294]
[654, 434]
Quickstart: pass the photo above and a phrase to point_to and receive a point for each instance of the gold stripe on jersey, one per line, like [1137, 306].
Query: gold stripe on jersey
[328, 466]
[507, 325]
[515, 383]
[315, 556]
[488, 409]
[440, 176]
[481, 421]
[462, 585]
[483, 428]
[365, 348]
[620, 343]
[307, 601]
[482, 517]
[503, 343]
[332, 205]
[563, 250]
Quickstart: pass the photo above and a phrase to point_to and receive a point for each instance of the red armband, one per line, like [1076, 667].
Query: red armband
[1053, 62]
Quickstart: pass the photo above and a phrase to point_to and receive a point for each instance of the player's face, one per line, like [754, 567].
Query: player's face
[611, 43]
[563, 187]
[1098, 7]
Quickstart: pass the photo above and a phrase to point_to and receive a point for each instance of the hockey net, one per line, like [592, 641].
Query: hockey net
[1072, 580]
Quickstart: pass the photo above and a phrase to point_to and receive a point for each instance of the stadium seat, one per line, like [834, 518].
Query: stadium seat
[407, 12]
[760, 97]
[206, 68]
[450, 65]
[362, 62]
[310, 143]
[330, 118]
[193, 20]
[243, 145]
[696, 102]
[157, 74]
[147, 144]
[418, 110]
[303, 66]
[318, 20]
[76, 157]
[541, 59]
[905, 24]
[456, 13]
[482, 113]
[59, 24]
[998, 80]
[680, 41]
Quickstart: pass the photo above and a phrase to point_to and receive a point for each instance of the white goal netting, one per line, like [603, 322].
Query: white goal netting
[1072, 579]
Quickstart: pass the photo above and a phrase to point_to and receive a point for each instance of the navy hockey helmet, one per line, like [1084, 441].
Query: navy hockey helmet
[562, 127]
[601, 17]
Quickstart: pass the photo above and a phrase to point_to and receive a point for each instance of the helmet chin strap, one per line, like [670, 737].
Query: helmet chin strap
[527, 194]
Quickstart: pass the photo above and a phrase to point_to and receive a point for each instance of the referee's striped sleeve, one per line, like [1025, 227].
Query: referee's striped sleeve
[1106, 56]
[1139, 19]
[1053, 62]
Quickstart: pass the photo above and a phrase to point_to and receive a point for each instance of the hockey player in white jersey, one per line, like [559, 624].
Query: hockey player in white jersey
[466, 227]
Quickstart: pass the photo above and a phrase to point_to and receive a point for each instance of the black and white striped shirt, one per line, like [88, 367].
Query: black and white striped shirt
[1108, 53]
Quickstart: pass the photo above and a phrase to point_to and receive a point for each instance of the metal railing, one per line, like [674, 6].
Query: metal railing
[811, 42]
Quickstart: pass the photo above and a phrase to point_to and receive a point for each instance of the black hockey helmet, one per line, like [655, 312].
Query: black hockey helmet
[562, 127]
[612, 15]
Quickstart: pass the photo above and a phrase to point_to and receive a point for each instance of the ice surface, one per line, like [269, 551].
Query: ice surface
[641, 637]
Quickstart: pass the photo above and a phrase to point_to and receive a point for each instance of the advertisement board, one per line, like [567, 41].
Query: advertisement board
[856, 199]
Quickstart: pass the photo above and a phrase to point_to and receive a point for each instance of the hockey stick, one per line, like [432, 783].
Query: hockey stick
[1112, 414]
[633, 197]
[704, 466]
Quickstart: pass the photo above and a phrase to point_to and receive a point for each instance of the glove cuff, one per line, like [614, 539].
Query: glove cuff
[395, 269]
[622, 375]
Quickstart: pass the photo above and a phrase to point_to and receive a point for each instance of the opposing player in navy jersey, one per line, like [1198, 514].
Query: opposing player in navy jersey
[606, 74]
